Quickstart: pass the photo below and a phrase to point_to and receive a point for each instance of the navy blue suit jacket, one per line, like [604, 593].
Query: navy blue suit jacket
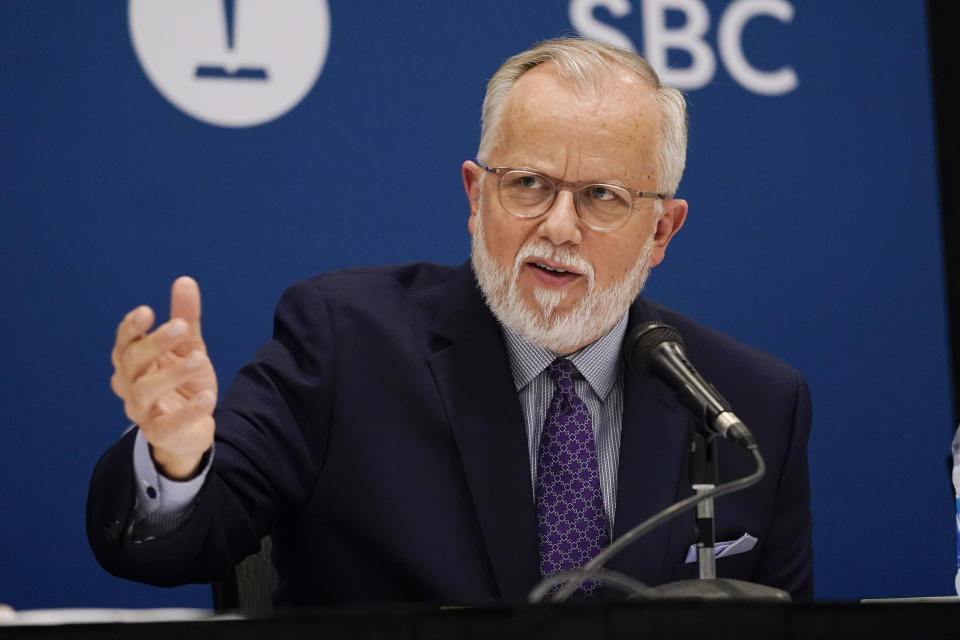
[378, 438]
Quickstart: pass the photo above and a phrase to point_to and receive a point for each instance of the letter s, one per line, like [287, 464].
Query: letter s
[581, 17]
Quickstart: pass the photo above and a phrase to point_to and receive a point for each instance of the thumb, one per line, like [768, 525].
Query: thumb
[185, 303]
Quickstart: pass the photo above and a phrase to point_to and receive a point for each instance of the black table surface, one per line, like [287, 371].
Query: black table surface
[739, 620]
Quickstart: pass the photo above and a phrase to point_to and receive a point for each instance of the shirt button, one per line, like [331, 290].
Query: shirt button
[151, 493]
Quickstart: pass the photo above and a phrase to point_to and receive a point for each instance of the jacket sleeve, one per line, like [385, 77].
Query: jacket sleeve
[270, 441]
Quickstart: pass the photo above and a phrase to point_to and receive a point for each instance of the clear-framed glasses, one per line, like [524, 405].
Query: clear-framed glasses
[602, 207]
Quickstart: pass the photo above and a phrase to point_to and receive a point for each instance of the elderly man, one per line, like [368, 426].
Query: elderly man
[453, 434]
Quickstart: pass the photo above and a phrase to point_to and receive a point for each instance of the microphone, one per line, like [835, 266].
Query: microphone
[656, 349]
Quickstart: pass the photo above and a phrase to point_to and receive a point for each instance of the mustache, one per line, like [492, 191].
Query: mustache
[547, 251]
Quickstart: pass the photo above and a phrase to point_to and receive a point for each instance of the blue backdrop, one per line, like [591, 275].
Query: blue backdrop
[813, 230]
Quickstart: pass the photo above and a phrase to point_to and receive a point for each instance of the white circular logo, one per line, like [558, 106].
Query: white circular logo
[232, 63]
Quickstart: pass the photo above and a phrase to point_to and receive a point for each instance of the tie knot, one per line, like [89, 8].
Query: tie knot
[561, 370]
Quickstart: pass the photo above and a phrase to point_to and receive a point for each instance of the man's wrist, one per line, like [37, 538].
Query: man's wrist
[158, 493]
[177, 468]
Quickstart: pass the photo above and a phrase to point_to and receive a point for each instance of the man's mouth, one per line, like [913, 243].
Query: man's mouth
[543, 266]
[553, 267]
[552, 274]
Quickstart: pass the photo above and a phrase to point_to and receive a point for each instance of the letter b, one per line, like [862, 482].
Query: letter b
[657, 39]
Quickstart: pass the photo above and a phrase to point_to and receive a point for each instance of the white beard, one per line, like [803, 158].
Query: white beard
[595, 313]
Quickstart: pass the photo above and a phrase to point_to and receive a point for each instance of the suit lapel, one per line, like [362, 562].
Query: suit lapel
[652, 448]
[470, 367]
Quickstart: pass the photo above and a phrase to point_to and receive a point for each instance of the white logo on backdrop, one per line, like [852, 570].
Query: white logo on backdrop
[232, 63]
[689, 37]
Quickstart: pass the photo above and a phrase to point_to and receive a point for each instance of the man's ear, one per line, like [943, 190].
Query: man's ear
[673, 216]
[472, 173]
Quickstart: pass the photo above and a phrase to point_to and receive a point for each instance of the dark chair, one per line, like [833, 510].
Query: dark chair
[249, 588]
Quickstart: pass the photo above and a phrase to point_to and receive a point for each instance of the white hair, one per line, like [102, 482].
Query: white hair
[589, 65]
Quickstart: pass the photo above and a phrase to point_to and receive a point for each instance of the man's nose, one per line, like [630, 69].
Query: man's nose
[561, 224]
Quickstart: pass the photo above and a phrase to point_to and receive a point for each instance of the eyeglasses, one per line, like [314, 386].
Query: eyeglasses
[602, 207]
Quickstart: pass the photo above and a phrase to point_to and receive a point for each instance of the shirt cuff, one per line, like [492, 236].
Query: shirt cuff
[157, 494]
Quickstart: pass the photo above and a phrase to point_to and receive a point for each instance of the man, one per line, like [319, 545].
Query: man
[453, 434]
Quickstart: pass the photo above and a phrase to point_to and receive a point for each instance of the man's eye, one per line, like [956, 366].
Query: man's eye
[530, 182]
[599, 192]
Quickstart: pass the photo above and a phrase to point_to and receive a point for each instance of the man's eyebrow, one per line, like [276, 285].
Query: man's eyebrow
[611, 182]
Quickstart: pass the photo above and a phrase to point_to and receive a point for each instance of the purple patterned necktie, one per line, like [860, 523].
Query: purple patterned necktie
[571, 520]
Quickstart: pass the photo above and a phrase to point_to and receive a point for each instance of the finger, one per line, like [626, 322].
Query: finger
[133, 326]
[185, 302]
[152, 386]
[142, 353]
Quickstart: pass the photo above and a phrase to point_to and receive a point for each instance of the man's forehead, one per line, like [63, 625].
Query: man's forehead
[597, 83]
[549, 122]
[621, 100]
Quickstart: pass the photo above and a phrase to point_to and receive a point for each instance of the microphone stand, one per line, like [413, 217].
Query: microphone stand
[703, 478]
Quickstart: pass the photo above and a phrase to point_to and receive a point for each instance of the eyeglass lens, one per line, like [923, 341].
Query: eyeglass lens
[527, 195]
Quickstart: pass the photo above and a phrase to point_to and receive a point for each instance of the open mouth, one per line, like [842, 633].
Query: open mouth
[551, 270]
[552, 274]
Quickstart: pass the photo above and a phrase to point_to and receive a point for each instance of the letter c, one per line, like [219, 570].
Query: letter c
[770, 83]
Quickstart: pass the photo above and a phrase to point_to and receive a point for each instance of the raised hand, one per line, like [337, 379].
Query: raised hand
[167, 382]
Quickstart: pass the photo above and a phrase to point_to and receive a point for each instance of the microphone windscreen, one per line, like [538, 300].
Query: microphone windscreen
[643, 339]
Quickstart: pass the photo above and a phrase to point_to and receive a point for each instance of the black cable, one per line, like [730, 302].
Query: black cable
[606, 576]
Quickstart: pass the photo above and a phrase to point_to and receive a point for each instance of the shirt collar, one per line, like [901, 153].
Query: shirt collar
[598, 362]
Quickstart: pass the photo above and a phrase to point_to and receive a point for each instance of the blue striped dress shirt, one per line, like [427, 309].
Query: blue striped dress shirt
[600, 386]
